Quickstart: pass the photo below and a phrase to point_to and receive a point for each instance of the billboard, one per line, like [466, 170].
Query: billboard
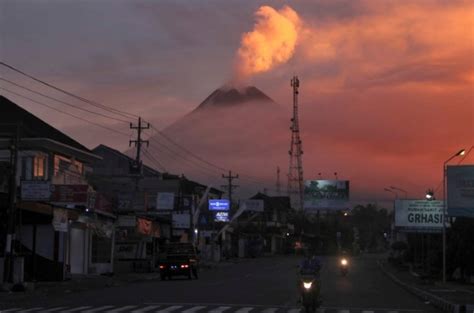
[460, 190]
[419, 214]
[219, 205]
[222, 216]
[252, 205]
[326, 194]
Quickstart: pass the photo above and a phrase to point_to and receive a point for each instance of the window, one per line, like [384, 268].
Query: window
[39, 163]
[34, 167]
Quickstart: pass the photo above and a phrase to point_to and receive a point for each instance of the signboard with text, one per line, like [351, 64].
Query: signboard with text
[419, 214]
[181, 220]
[70, 194]
[460, 190]
[219, 205]
[35, 190]
[222, 216]
[326, 194]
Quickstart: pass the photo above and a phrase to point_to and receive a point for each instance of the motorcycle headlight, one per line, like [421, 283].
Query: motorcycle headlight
[343, 262]
[307, 285]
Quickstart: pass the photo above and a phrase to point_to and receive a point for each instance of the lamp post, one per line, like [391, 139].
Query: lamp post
[399, 189]
[391, 191]
[445, 213]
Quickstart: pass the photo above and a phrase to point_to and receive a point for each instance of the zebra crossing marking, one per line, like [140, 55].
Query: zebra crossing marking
[194, 309]
[81, 308]
[121, 309]
[220, 309]
[56, 309]
[146, 309]
[244, 310]
[104, 307]
[170, 309]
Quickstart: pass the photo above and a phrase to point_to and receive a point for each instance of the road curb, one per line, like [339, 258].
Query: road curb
[438, 302]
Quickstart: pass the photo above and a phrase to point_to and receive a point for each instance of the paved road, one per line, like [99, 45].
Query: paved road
[259, 285]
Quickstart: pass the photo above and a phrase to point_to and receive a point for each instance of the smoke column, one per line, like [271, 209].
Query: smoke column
[271, 42]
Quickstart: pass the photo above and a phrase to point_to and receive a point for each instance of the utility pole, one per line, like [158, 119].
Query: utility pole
[9, 250]
[230, 186]
[137, 167]
[278, 184]
[139, 141]
[295, 171]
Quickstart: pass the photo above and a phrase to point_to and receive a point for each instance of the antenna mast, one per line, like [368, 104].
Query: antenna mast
[295, 171]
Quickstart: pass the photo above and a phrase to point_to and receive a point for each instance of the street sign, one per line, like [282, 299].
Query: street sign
[219, 205]
[181, 220]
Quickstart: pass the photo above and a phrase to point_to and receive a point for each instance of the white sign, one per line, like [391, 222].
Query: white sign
[460, 181]
[127, 221]
[419, 214]
[165, 201]
[60, 222]
[35, 190]
[181, 220]
[253, 205]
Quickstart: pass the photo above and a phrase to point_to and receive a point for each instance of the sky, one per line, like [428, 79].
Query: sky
[387, 87]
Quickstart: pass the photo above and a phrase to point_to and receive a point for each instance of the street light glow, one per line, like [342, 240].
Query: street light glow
[462, 152]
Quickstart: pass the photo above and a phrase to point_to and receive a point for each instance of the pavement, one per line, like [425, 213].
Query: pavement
[449, 297]
[255, 285]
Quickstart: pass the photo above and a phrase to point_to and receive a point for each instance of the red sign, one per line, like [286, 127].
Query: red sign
[70, 193]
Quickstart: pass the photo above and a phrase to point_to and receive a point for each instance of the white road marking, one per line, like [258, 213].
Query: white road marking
[367, 311]
[105, 307]
[244, 310]
[392, 312]
[170, 309]
[81, 308]
[294, 311]
[56, 309]
[32, 309]
[146, 309]
[194, 309]
[220, 309]
[121, 309]
[270, 310]
[11, 310]
[343, 311]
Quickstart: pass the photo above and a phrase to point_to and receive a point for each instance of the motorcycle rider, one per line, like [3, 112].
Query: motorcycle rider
[310, 266]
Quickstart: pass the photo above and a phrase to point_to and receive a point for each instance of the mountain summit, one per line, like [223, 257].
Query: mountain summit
[230, 96]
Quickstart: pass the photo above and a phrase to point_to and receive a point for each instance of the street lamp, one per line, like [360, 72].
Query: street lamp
[429, 194]
[391, 191]
[445, 213]
[399, 189]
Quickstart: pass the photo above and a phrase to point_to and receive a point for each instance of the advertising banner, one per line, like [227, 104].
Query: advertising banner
[60, 222]
[252, 205]
[219, 205]
[165, 201]
[460, 190]
[419, 214]
[326, 194]
[181, 220]
[222, 216]
[70, 194]
[35, 190]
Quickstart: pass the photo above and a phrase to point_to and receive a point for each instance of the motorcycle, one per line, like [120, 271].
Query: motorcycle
[344, 267]
[309, 293]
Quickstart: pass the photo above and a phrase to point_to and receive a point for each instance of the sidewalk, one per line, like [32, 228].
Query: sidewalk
[449, 297]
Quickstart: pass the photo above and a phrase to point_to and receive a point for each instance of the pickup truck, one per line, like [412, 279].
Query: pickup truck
[179, 259]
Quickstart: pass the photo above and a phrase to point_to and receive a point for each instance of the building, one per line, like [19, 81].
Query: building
[62, 225]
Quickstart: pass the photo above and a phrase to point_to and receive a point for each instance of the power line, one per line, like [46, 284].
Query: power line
[66, 113]
[63, 102]
[152, 159]
[96, 104]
